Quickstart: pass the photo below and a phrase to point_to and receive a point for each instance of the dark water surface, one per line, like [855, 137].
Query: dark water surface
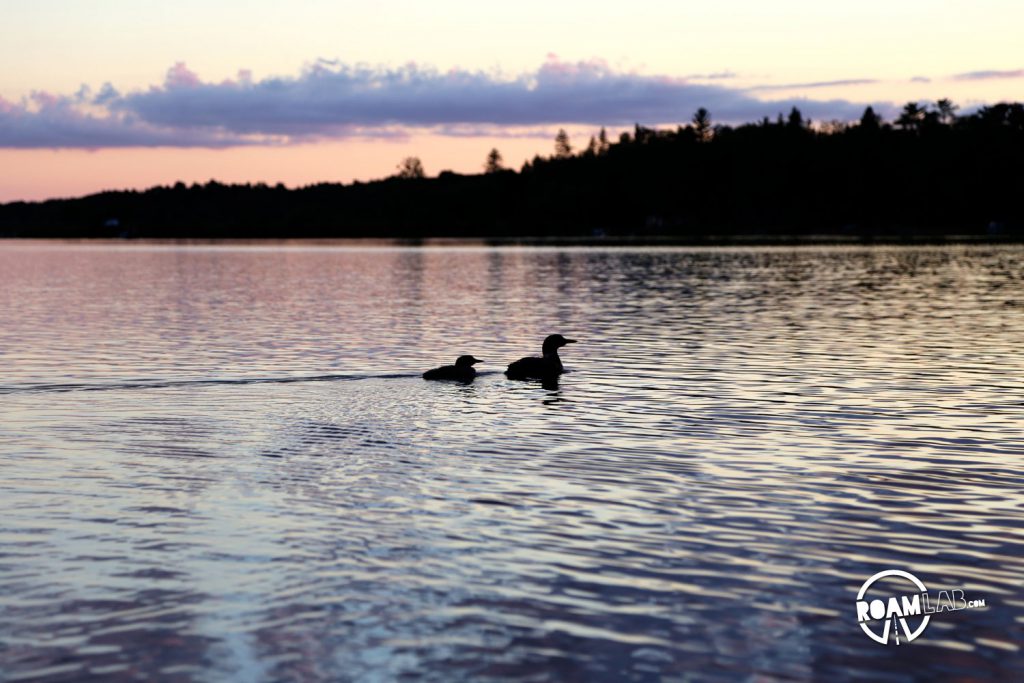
[219, 462]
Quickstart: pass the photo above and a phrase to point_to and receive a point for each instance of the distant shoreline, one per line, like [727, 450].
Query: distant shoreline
[741, 240]
[931, 177]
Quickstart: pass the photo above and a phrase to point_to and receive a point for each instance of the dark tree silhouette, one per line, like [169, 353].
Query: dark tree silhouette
[494, 162]
[411, 167]
[563, 149]
[642, 135]
[702, 124]
[947, 111]
[795, 120]
[1009, 117]
[869, 120]
[602, 141]
[911, 117]
[923, 179]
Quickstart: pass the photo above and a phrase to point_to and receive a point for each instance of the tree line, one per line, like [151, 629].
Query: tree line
[929, 172]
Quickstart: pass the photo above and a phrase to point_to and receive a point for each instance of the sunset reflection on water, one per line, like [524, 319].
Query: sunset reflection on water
[220, 460]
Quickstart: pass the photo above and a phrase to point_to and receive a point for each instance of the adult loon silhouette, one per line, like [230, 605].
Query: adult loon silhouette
[462, 371]
[546, 367]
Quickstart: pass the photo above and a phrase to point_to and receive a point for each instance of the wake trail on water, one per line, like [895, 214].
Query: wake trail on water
[170, 383]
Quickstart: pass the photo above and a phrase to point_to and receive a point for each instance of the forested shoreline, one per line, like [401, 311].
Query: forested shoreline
[929, 173]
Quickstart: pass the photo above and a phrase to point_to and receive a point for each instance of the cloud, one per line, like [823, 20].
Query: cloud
[44, 120]
[179, 76]
[920, 79]
[106, 95]
[716, 76]
[331, 100]
[988, 75]
[816, 84]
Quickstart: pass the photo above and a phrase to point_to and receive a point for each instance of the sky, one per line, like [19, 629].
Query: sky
[114, 94]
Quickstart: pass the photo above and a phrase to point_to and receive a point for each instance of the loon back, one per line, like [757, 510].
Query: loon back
[462, 371]
[547, 366]
[550, 365]
[461, 374]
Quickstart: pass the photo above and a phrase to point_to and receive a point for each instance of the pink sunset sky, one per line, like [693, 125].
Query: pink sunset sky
[115, 94]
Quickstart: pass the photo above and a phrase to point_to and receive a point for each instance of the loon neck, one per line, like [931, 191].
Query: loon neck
[552, 356]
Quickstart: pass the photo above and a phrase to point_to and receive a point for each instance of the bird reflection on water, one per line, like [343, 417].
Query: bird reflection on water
[550, 385]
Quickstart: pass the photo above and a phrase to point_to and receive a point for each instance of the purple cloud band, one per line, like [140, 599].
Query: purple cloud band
[816, 84]
[989, 75]
[330, 100]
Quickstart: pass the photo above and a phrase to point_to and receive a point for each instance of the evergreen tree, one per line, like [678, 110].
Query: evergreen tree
[869, 120]
[796, 119]
[494, 162]
[702, 124]
[563, 149]
[912, 116]
[947, 111]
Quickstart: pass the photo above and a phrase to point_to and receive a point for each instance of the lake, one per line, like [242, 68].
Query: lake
[219, 461]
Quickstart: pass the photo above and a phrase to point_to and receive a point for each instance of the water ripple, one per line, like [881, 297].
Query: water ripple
[746, 435]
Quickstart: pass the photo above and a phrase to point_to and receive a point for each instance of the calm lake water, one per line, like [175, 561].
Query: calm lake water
[219, 462]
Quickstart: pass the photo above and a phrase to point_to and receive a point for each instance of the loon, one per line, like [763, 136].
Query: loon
[462, 371]
[548, 366]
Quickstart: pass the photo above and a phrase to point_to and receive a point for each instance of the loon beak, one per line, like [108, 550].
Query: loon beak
[570, 341]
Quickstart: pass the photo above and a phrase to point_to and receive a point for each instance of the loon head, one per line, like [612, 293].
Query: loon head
[555, 342]
[467, 361]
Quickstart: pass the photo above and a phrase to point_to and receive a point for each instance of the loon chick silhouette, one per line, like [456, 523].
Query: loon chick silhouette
[462, 371]
[550, 365]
